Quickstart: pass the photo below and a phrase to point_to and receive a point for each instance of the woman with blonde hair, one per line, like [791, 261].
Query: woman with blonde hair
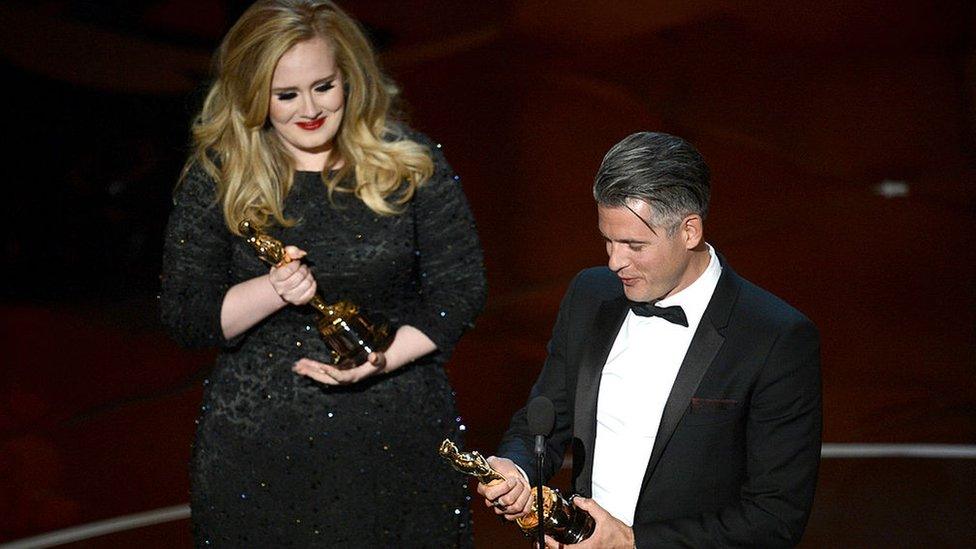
[296, 136]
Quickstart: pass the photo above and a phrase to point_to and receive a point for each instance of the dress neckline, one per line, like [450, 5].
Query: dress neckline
[311, 172]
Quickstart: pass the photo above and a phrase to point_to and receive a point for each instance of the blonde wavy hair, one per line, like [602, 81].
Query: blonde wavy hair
[236, 146]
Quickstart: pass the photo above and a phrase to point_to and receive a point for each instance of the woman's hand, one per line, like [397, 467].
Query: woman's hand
[293, 280]
[330, 374]
[408, 345]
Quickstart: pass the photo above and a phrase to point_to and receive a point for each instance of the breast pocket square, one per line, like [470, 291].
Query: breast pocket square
[706, 405]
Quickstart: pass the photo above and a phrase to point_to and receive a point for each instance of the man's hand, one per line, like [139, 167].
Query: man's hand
[609, 532]
[511, 498]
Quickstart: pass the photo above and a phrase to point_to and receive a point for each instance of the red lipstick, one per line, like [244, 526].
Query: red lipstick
[312, 125]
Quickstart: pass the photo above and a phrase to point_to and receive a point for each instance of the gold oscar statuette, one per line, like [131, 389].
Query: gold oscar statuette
[350, 336]
[563, 521]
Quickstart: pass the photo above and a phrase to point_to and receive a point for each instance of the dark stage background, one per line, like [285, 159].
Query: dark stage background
[840, 136]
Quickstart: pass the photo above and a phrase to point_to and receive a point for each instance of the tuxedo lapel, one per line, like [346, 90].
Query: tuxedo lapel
[602, 334]
[705, 344]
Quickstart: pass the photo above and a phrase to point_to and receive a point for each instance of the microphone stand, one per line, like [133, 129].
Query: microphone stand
[540, 454]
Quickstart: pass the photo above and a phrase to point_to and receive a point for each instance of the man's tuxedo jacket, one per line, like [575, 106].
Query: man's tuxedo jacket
[735, 458]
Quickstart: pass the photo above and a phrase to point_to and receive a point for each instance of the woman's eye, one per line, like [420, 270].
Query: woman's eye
[286, 96]
[325, 87]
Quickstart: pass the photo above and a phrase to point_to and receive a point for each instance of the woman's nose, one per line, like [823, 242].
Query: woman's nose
[309, 108]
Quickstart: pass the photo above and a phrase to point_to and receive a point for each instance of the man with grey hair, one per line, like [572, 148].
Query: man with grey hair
[691, 397]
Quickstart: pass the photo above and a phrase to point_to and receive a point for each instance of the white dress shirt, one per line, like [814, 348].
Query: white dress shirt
[634, 388]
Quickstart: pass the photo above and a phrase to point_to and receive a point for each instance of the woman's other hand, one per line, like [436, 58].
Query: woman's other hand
[293, 281]
[331, 374]
[408, 345]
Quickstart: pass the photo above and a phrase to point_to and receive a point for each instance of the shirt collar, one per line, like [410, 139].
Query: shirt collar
[696, 296]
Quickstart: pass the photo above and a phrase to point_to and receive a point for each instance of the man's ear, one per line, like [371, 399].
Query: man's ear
[691, 231]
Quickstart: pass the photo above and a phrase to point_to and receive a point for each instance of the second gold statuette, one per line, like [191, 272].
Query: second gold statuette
[563, 521]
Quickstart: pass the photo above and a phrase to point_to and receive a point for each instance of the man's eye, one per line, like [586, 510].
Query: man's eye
[635, 247]
[325, 87]
[286, 96]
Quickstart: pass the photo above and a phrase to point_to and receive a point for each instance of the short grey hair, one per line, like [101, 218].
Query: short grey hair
[663, 170]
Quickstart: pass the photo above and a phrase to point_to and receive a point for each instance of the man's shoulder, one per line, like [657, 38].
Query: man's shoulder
[598, 283]
[760, 306]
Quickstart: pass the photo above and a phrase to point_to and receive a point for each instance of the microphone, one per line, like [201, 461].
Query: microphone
[541, 416]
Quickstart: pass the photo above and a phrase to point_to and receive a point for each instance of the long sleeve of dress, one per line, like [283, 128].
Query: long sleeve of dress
[196, 263]
[449, 258]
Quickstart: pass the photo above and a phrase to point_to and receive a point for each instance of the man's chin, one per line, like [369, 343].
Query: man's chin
[635, 294]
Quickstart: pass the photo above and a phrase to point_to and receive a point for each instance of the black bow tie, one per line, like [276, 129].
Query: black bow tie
[674, 314]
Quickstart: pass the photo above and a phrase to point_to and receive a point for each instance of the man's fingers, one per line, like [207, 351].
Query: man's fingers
[517, 502]
[553, 544]
[592, 507]
[507, 496]
[495, 491]
[523, 500]
[504, 502]
[481, 488]
[586, 504]
[500, 495]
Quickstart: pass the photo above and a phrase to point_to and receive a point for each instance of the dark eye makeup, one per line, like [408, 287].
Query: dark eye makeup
[320, 88]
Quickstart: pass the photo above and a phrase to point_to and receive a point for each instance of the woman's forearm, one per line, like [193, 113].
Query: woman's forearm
[246, 304]
[408, 345]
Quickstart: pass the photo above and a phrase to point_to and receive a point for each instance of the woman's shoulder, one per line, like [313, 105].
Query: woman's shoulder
[195, 183]
[401, 132]
[434, 149]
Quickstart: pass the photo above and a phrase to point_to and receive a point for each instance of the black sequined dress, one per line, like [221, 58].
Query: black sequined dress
[281, 460]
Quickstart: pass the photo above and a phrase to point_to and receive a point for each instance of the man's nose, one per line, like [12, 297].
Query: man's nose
[616, 259]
